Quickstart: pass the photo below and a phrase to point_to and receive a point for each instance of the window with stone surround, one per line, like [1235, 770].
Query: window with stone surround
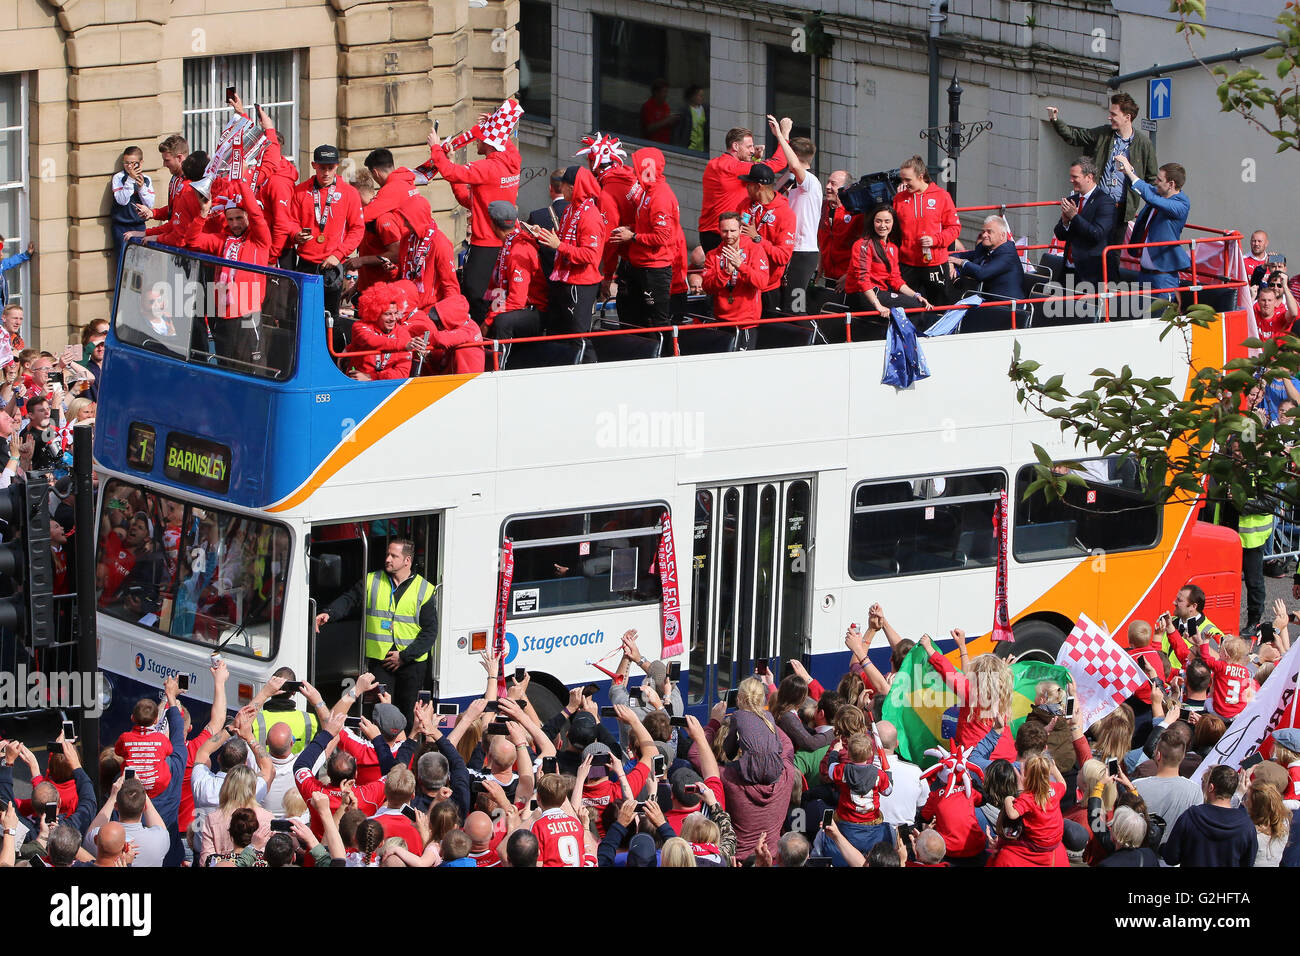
[13, 182]
[630, 58]
[535, 59]
[789, 91]
[268, 79]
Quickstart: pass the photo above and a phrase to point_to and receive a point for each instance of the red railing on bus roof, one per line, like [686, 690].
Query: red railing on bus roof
[1221, 235]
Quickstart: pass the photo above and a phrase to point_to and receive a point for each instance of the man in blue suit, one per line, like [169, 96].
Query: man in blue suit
[1087, 218]
[994, 265]
[1161, 220]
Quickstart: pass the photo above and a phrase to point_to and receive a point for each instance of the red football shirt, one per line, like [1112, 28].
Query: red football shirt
[560, 840]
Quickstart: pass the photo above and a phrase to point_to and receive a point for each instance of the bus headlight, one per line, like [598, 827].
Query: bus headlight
[105, 693]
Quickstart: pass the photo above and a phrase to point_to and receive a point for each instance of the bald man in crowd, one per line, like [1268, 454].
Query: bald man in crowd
[480, 829]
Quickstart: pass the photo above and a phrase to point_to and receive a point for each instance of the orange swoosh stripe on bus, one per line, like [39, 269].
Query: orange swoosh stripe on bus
[1117, 603]
[409, 400]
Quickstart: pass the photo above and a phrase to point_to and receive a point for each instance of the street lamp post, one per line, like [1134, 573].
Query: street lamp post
[954, 137]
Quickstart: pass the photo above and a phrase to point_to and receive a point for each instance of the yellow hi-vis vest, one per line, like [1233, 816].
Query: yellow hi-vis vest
[302, 723]
[1254, 530]
[390, 622]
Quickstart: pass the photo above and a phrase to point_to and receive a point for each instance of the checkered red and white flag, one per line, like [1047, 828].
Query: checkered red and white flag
[496, 130]
[1104, 674]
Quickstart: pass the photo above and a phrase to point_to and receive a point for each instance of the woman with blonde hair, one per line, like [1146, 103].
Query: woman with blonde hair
[677, 852]
[1038, 809]
[238, 792]
[1272, 822]
[1113, 734]
[758, 781]
[984, 688]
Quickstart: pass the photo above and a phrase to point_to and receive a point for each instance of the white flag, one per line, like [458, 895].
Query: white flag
[1259, 718]
[1104, 674]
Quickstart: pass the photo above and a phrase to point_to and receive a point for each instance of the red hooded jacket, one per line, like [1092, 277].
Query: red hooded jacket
[658, 219]
[343, 224]
[394, 362]
[838, 231]
[244, 290]
[400, 197]
[183, 213]
[619, 195]
[452, 327]
[929, 213]
[738, 295]
[279, 177]
[775, 225]
[429, 262]
[582, 234]
[479, 183]
[722, 190]
[517, 278]
[681, 263]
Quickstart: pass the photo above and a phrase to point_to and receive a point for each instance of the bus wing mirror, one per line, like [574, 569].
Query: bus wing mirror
[327, 570]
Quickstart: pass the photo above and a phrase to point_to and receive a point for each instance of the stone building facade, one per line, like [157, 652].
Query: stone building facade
[85, 78]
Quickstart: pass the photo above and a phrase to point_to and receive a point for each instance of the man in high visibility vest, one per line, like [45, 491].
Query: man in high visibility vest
[401, 622]
[1189, 619]
[1255, 526]
[276, 706]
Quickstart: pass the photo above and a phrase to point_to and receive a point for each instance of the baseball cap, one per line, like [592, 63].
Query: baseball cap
[389, 720]
[325, 155]
[760, 173]
[582, 729]
[591, 750]
[501, 210]
[641, 851]
[570, 175]
[1075, 837]
[680, 781]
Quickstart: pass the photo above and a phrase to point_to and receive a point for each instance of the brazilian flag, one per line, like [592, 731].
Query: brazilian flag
[918, 698]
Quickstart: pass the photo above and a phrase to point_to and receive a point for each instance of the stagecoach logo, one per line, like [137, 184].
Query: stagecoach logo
[164, 671]
[139, 662]
[550, 642]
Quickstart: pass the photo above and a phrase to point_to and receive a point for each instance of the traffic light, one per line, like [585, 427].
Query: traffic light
[25, 559]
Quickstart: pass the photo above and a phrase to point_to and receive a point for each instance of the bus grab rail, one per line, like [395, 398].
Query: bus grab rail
[1196, 288]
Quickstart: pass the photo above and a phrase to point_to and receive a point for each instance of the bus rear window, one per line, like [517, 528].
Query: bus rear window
[234, 319]
[192, 573]
[584, 560]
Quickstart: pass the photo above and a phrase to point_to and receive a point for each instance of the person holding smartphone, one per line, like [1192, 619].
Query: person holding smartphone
[656, 689]
[143, 824]
[45, 796]
[601, 783]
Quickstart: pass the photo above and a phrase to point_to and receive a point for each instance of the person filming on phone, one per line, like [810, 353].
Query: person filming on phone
[401, 622]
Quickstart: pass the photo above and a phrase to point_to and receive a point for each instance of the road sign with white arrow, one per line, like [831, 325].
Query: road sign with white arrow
[1160, 97]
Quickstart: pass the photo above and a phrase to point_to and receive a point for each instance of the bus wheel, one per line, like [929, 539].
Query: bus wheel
[1035, 641]
[546, 694]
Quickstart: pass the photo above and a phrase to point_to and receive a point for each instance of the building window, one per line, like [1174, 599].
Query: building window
[643, 76]
[266, 79]
[1111, 511]
[535, 59]
[583, 560]
[13, 184]
[922, 525]
[789, 91]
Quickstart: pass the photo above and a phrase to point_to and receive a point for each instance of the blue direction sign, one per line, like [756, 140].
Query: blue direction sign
[1160, 97]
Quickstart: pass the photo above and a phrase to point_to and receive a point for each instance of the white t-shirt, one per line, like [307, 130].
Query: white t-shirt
[151, 843]
[907, 796]
[806, 204]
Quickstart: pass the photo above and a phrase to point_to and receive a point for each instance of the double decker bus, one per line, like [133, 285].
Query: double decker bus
[239, 497]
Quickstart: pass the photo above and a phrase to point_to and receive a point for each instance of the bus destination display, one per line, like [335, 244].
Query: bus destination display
[198, 462]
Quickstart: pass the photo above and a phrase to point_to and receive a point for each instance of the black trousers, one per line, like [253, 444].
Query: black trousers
[1252, 568]
[931, 282]
[332, 291]
[649, 294]
[710, 241]
[239, 340]
[404, 684]
[570, 307]
[518, 324]
[475, 278]
[890, 300]
[798, 274]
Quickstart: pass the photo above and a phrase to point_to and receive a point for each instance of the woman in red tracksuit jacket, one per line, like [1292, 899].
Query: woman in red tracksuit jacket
[928, 223]
[872, 280]
[378, 330]
[579, 244]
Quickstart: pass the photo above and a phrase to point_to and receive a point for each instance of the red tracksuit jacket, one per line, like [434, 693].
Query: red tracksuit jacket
[429, 263]
[582, 235]
[518, 279]
[775, 225]
[658, 220]
[737, 296]
[480, 183]
[343, 224]
[722, 190]
[929, 213]
[244, 290]
[619, 195]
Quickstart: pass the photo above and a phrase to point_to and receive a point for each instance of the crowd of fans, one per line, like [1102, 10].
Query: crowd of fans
[783, 774]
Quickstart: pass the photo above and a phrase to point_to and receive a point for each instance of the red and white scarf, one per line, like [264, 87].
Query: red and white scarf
[500, 274]
[416, 254]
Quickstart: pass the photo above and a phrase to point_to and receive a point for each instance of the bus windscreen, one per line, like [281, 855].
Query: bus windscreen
[190, 572]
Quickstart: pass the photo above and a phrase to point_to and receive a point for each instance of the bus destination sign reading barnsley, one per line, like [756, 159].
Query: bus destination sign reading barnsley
[198, 462]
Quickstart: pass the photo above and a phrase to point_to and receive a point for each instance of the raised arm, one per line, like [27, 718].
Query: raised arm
[708, 763]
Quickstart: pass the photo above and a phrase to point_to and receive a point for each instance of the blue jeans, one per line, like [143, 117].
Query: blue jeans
[1162, 280]
[863, 836]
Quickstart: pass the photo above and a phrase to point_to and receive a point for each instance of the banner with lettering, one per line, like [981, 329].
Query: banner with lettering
[505, 575]
[1001, 616]
[1263, 715]
[672, 605]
